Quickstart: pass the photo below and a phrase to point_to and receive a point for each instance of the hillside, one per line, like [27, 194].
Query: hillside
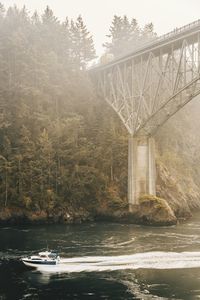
[63, 151]
[178, 160]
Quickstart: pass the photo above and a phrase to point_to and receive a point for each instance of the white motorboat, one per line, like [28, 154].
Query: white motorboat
[43, 258]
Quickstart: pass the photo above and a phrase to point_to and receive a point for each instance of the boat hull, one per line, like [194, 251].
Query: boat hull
[32, 263]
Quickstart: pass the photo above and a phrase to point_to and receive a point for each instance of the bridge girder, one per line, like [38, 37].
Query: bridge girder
[147, 88]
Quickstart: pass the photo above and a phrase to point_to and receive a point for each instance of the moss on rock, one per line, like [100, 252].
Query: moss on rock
[153, 210]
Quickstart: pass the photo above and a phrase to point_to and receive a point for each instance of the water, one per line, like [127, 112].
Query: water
[103, 261]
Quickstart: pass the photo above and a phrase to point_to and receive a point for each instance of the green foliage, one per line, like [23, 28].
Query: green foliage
[126, 35]
[114, 201]
[154, 201]
[61, 146]
[82, 43]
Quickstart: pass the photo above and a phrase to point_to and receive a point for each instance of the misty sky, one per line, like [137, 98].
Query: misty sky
[165, 14]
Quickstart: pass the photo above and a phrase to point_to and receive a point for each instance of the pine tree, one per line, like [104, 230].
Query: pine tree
[2, 11]
[114, 46]
[24, 157]
[35, 18]
[135, 34]
[48, 16]
[125, 36]
[55, 151]
[148, 33]
[66, 41]
[82, 43]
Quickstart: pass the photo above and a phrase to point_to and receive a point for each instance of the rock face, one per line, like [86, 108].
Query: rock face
[154, 211]
[13, 216]
[178, 160]
[183, 197]
[151, 210]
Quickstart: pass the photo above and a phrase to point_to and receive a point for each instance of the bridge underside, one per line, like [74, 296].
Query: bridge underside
[145, 89]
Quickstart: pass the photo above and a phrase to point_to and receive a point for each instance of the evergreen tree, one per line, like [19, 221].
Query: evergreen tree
[2, 11]
[115, 46]
[148, 32]
[125, 36]
[48, 17]
[35, 18]
[135, 34]
[82, 43]
[51, 132]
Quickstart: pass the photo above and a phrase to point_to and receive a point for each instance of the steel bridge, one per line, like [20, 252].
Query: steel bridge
[145, 88]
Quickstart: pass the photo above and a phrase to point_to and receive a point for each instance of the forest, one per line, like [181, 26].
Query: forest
[62, 147]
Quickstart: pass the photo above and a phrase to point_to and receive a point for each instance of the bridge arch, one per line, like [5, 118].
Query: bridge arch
[145, 88]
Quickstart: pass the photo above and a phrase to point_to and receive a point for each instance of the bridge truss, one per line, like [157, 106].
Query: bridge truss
[145, 88]
[148, 86]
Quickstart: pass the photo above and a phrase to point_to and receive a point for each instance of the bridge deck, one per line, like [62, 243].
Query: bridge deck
[177, 35]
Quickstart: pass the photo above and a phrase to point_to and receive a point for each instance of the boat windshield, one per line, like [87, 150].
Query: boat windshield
[53, 255]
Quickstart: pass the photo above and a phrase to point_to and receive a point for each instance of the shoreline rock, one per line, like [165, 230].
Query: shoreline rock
[151, 211]
[19, 216]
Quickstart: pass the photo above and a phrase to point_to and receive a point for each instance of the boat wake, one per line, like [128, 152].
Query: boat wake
[148, 260]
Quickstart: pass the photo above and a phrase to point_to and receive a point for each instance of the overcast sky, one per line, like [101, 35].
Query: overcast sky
[98, 14]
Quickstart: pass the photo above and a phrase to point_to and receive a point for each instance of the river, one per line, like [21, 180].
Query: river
[103, 261]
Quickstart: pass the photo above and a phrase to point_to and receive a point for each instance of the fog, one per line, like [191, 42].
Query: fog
[166, 15]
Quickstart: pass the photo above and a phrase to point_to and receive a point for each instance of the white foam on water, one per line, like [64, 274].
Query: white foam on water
[148, 260]
[126, 242]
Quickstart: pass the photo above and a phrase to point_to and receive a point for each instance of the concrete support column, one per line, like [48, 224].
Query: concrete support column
[141, 168]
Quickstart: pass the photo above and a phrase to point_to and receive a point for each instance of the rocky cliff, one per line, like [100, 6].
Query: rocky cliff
[178, 160]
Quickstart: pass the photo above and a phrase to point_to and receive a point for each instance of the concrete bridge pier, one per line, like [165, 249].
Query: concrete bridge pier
[141, 168]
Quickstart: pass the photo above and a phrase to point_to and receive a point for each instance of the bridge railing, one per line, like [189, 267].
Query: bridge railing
[142, 46]
[178, 30]
[168, 35]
